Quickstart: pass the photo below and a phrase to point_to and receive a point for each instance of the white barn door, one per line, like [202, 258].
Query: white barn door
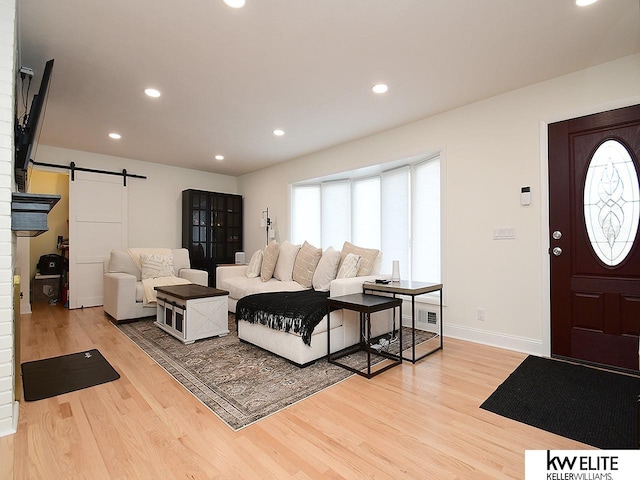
[97, 224]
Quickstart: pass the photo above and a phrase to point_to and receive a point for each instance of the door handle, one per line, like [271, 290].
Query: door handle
[557, 251]
[557, 235]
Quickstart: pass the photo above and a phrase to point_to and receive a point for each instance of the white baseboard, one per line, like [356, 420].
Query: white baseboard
[25, 307]
[14, 425]
[500, 340]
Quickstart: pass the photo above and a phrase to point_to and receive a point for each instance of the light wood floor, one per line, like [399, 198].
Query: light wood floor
[412, 422]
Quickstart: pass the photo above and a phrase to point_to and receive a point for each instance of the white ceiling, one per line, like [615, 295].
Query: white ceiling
[229, 77]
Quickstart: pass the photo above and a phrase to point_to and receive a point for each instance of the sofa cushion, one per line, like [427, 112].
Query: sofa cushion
[306, 263]
[121, 261]
[326, 270]
[349, 266]
[255, 264]
[154, 265]
[180, 260]
[139, 292]
[286, 261]
[242, 286]
[368, 257]
[269, 260]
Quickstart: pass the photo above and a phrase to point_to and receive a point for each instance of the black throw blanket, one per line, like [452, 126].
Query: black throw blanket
[299, 311]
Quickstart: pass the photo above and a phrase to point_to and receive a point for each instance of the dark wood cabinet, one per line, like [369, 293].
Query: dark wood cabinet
[211, 229]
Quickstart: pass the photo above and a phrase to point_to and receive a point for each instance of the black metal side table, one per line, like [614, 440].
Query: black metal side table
[365, 305]
[411, 289]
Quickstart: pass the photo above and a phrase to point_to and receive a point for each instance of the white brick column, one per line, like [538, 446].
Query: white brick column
[8, 405]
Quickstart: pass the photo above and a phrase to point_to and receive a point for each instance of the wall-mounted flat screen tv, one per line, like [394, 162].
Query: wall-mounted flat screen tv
[28, 133]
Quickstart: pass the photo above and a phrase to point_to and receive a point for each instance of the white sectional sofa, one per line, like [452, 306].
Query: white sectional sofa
[344, 324]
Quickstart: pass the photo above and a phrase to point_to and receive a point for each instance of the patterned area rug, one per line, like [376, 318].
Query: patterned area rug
[239, 382]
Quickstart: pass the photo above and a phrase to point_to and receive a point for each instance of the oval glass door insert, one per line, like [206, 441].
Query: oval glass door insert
[611, 202]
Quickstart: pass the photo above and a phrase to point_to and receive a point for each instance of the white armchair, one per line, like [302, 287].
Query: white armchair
[123, 291]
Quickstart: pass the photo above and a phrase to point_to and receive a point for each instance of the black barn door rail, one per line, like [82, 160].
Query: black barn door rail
[72, 166]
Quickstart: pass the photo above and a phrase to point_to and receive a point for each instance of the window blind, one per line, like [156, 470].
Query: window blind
[336, 213]
[365, 224]
[394, 186]
[305, 214]
[425, 225]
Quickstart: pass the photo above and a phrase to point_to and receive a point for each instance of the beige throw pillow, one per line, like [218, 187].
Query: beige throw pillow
[326, 270]
[255, 265]
[154, 265]
[367, 257]
[306, 263]
[349, 267]
[286, 260]
[269, 259]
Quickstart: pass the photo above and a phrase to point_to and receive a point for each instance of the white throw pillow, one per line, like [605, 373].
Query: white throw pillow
[154, 265]
[306, 263]
[349, 267]
[286, 261]
[326, 270]
[269, 259]
[255, 264]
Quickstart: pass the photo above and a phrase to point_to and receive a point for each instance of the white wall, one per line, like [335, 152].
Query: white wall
[8, 405]
[491, 148]
[155, 203]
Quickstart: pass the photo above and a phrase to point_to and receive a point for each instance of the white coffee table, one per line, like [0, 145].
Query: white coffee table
[191, 312]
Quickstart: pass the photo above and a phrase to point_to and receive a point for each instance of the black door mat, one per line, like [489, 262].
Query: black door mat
[586, 404]
[67, 373]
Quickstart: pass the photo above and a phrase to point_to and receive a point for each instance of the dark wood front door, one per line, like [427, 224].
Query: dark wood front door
[593, 227]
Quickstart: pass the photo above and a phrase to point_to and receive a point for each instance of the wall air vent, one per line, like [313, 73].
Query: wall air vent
[426, 317]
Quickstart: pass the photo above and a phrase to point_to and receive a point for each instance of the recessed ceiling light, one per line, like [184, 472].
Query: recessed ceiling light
[584, 3]
[219, 157]
[380, 88]
[115, 136]
[235, 3]
[278, 133]
[152, 92]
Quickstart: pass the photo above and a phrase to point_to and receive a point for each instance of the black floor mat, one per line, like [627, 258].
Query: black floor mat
[67, 373]
[586, 404]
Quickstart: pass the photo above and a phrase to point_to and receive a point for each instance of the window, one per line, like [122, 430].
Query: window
[611, 202]
[396, 211]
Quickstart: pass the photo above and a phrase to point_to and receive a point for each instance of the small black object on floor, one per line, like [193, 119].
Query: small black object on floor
[592, 406]
[67, 373]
